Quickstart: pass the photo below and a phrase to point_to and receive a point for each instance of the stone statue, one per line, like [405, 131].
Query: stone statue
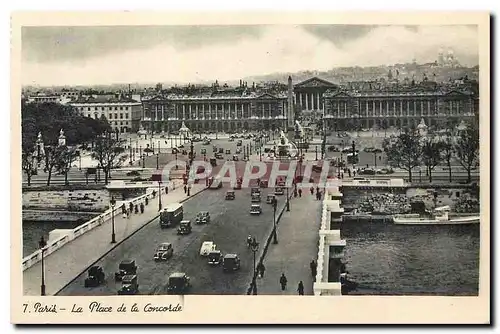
[62, 138]
[39, 137]
[61, 133]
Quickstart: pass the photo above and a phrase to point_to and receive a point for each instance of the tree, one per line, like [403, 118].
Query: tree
[467, 149]
[66, 157]
[52, 159]
[108, 152]
[431, 155]
[28, 164]
[384, 125]
[448, 152]
[404, 151]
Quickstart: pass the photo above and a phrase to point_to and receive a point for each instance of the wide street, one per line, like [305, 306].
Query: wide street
[231, 224]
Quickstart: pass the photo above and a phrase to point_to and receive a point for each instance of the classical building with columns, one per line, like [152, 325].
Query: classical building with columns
[399, 107]
[216, 109]
[309, 94]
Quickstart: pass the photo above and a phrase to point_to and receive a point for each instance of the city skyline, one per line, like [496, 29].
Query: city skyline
[53, 56]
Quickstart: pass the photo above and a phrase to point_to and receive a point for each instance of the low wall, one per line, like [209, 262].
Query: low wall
[327, 238]
[54, 245]
[49, 215]
[94, 200]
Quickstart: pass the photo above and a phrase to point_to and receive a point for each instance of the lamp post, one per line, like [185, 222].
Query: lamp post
[275, 234]
[176, 165]
[192, 154]
[113, 237]
[157, 161]
[159, 143]
[255, 247]
[316, 151]
[130, 150]
[260, 153]
[353, 153]
[287, 200]
[143, 161]
[42, 243]
[159, 196]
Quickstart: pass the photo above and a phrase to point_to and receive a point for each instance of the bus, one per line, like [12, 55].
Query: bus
[171, 215]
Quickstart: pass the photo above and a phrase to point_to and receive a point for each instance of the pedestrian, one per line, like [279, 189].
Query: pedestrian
[300, 192]
[313, 265]
[166, 190]
[295, 193]
[312, 190]
[130, 206]
[300, 288]
[124, 215]
[124, 208]
[342, 176]
[189, 191]
[349, 172]
[142, 207]
[317, 189]
[185, 189]
[283, 282]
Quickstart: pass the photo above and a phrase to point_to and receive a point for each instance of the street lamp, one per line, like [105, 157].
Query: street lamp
[275, 234]
[42, 243]
[143, 161]
[287, 200]
[159, 143]
[159, 196]
[260, 153]
[192, 154]
[113, 202]
[157, 161]
[176, 165]
[316, 150]
[255, 247]
[353, 153]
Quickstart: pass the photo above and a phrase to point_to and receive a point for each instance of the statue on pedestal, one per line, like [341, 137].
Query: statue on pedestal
[62, 138]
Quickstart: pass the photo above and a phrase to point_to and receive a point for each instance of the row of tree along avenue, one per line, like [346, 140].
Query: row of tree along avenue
[47, 147]
[410, 150]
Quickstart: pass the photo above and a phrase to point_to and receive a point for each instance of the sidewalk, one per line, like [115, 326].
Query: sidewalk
[298, 244]
[68, 262]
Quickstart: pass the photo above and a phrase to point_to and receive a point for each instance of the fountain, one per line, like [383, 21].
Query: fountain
[286, 148]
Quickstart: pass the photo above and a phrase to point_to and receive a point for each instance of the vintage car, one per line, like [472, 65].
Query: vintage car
[126, 267]
[202, 217]
[279, 191]
[215, 183]
[237, 186]
[231, 138]
[203, 151]
[215, 149]
[129, 285]
[207, 247]
[221, 150]
[255, 209]
[206, 142]
[230, 195]
[184, 227]
[235, 158]
[256, 198]
[238, 150]
[270, 198]
[231, 262]
[228, 151]
[219, 156]
[239, 143]
[200, 169]
[263, 183]
[213, 162]
[95, 277]
[215, 257]
[178, 283]
[164, 252]
[255, 190]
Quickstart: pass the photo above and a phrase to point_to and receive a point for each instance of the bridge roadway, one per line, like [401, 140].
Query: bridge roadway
[230, 225]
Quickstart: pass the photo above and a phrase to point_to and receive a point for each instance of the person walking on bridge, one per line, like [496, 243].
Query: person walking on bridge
[283, 282]
[313, 265]
[300, 288]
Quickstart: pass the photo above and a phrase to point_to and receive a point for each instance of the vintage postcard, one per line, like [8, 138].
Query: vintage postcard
[196, 168]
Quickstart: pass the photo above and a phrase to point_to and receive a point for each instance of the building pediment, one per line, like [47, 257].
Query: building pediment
[267, 96]
[157, 98]
[315, 82]
[455, 94]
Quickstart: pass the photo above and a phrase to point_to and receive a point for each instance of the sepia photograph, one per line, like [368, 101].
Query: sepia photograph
[227, 159]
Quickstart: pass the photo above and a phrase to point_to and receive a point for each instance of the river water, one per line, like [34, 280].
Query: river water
[34, 230]
[388, 259]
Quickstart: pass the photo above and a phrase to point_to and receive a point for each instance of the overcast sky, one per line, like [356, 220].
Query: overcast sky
[129, 54]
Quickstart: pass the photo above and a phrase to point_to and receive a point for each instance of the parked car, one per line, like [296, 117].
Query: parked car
[238, 150]
[202, 217]
[95, 277]
[270, 198]
[254, 190]
[203, 151]
[215, 149]
[207, 247]
[255, 209]
[279, 191]
[221, 150]
[184, 227]
[215, 257]
[264, 183]
[231, 262]
[126, 267]
[178, 283]
[333, 148]
[235, 158]
[228, 151]
[129, 285]
[237, 186]
[368, 149]
[219, 156]
[213, 162]
[367, 171]
[164, 252]
[239, 143]
[230, 195]
[133, 173]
